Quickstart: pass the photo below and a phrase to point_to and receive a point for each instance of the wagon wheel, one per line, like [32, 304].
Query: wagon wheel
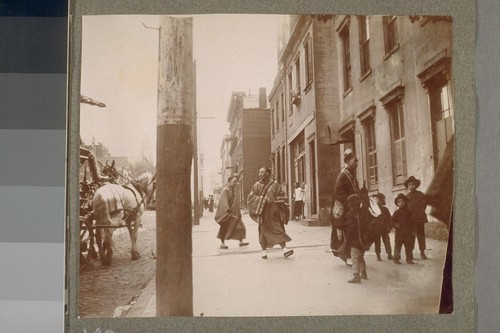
[87, 240]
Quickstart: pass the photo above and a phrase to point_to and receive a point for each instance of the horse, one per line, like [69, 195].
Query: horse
[120, 205]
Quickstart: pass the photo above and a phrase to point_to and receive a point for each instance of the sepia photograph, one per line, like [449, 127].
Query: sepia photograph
[258, 165]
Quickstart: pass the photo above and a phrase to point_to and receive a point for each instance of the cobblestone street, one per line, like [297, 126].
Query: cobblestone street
[106, 289]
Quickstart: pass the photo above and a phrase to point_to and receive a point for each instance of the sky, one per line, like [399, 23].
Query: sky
[120, 69]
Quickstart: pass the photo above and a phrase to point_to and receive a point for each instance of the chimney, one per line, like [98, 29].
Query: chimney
[262, 98]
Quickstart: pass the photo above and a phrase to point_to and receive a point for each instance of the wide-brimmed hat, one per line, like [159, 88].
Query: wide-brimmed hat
[412, 180]
[400, 196]
[353, 197]
[381, 197]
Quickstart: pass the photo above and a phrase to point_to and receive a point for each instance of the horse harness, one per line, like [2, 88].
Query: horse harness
[130, 215]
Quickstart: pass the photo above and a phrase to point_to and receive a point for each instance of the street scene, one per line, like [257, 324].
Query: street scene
[265, 165]
[311, 282]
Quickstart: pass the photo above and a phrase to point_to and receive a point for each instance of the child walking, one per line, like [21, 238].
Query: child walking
[355, 232]
[403, 224]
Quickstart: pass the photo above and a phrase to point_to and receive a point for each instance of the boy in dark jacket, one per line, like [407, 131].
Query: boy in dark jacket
[382, 227]
[355, 231]
[417, 206]
[403, 224]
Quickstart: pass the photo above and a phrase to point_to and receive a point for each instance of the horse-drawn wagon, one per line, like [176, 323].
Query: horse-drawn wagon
[106, 205]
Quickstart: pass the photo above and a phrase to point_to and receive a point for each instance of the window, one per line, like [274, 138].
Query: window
[298, 158]
[442, 118]
[272, 120]
[436, 79]
[396, 115]
[276, 114]
[390, 33]
[297, 74]
[308, 62]
[346, 57]
[371, 152]
[364, 43]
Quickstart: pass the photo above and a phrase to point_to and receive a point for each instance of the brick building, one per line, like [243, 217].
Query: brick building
[248, 145]
[304, 110]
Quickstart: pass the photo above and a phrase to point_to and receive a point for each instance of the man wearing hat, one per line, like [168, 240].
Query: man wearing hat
[382, 227]
[417, 206]
[346, 184]
[403, 224]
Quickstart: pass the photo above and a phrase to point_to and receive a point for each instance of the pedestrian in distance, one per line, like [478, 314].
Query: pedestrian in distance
[382, 226]
[210, 203]
[228, 216]
[356, 231]
[266, 207]
[300, 194]
[403, 224]
[417, 206]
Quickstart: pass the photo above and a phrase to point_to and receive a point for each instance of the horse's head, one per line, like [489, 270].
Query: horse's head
[147, 184]
[110, 171]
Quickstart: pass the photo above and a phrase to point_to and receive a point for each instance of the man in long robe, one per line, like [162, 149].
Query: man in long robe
[270, 212]
[228, 216]
[346, 184]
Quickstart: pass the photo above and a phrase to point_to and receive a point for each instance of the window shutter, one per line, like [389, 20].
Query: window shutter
[397, 162]
[403, 159]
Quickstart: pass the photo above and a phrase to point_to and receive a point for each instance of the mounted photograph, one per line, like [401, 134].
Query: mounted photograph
[258, 165]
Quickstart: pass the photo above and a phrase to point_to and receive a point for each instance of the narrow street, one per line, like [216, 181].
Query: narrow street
[237, 282]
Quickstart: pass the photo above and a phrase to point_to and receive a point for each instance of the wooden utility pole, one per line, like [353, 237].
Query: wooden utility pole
[174, 272]
[196, 198]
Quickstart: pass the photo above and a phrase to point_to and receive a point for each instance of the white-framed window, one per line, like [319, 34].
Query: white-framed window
[398, 141]
[364, 43]
[346, 57]
[390, 33]
[371, 153]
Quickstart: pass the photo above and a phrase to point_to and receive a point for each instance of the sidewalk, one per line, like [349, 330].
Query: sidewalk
[236, 282]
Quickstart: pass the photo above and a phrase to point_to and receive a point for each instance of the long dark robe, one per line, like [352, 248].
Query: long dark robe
[417, 206]
[345, 185]
[228, 215]
[270, 213]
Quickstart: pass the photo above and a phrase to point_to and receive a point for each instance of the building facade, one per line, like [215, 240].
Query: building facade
[396, 97]
[304, 111]
[248, 147]
[380, 85]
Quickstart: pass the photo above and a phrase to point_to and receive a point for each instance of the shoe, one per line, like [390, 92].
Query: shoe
[287, 253]
[264, 254]
[223, 247]
[355, 279]
[378, 257]
[363, 275]
[422, 255]
[244, 244]
[390, 257]
[348, 262]
[410, 262]
[396, 261]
